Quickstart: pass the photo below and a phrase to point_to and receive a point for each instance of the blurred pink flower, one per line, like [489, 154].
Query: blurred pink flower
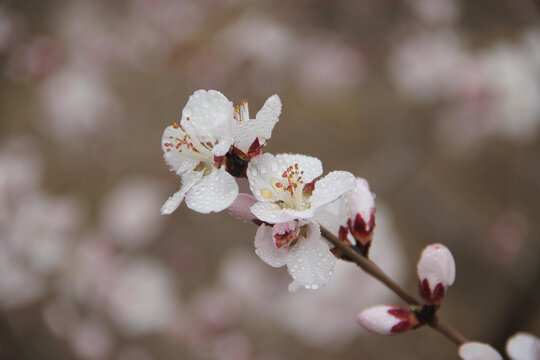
[129, 212]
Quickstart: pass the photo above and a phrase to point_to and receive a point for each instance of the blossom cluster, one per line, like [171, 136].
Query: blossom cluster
[215, 142]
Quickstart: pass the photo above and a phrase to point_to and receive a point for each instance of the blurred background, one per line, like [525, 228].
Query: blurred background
[435, 102]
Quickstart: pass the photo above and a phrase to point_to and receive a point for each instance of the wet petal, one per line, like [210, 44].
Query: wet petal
[209, 115]
[266, 249]
[215, 192]
[311, 264]
[247, 131]
[311, 166]
[270, 213]
[331, 187]
[262, 171]
[334, 214]
[189, 179]
[179, 161]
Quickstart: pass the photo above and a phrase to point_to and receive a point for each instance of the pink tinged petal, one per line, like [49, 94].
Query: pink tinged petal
[240, 207]
[266, 249]
[179, 161]
[478, 351]
[362, 200]
[270, 213]
[311, 264]
[311, 166]
[386, 319]
[189, 179]
[210, 116]
[214, 192]
[332, 186]
[436, 271]
[523, 346]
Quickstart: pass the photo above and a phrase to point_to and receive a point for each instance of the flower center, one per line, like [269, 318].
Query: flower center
[286, 239]
[197, 147]
[290, 189]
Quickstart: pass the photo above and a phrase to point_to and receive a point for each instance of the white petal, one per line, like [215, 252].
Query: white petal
[266, 249]
[478, 351]
[300, 214]
[268, 116]
[260, 172]
[247, 131]
[437, 265]
[331, 187]
[311, 166]
[334, 214]
[240, 207]
[188, 180]
[179, 162]
[211, 118]
[523, 346]
[215, 192]
[270, 213]
[311, 264]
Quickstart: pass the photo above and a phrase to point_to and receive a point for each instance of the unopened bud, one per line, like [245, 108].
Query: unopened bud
[387, 319]
[362, 214]
[436, 272]
[478, 351]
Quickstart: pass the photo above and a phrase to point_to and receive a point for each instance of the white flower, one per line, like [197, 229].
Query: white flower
[285, 189]
[299, 246]
[478, 351]
[436, 271]
[247, 131]
[523, 346]
[195, 149]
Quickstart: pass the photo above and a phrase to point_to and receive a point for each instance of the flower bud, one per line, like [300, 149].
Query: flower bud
[387, 319]
[436, 272]
[523, 346]
[361, 220]
[478, 351]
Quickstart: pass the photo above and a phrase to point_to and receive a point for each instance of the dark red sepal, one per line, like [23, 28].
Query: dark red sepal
[426, 294]
[400, 327]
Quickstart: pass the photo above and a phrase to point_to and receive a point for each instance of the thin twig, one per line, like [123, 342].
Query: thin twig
[441, 326]
[372, 269]
[369, 267]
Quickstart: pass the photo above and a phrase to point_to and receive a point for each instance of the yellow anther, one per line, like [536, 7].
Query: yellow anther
[266, 193]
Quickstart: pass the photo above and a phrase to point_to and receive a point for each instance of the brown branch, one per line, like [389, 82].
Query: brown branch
[441, 326]
[369, 267]
[372, 269]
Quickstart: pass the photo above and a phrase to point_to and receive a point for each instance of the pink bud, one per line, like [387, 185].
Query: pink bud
[362, 213]
[436, 271]
[523, 346]
[478, 351]
[387, 319]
